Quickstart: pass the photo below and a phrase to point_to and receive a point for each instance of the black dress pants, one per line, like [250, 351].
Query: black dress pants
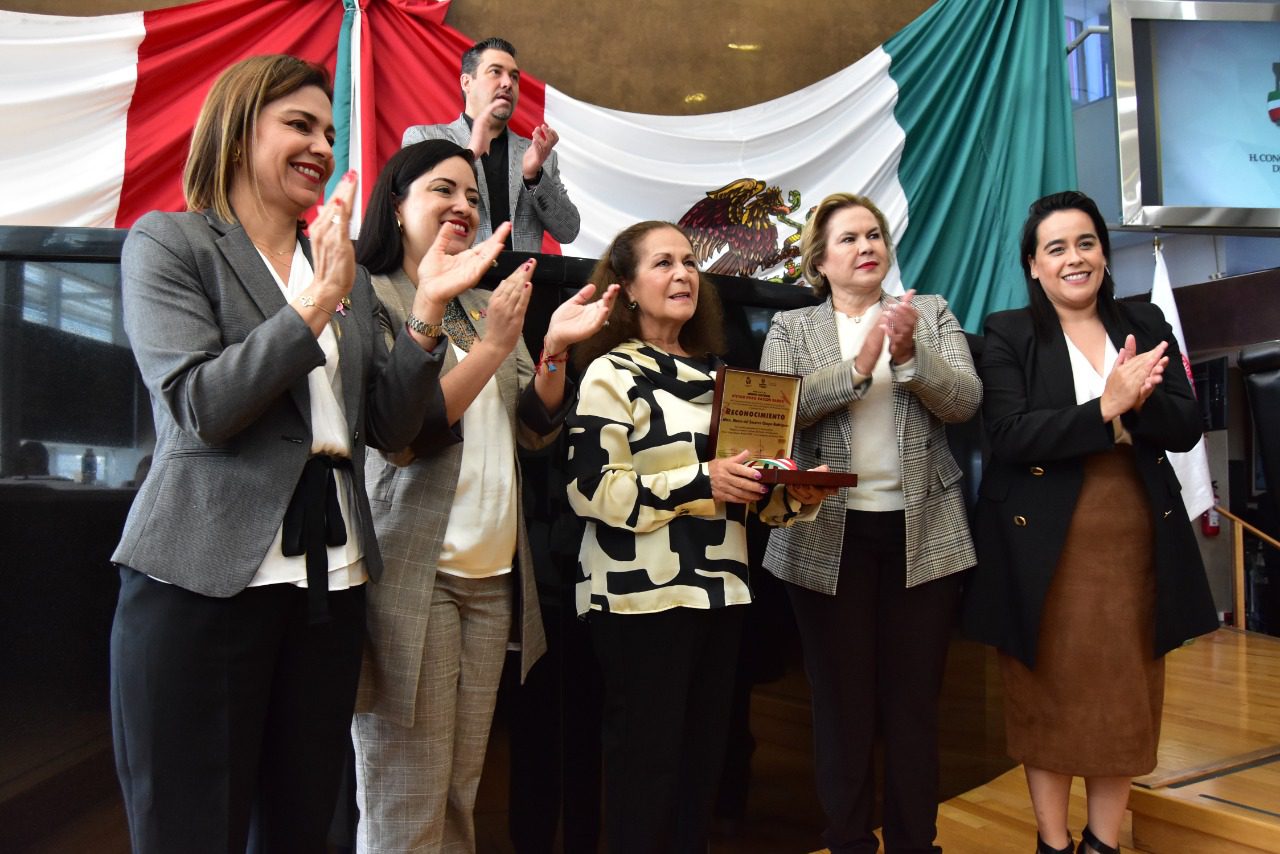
[876, 649]
[231, 717]
[555, 738]
[668, 681]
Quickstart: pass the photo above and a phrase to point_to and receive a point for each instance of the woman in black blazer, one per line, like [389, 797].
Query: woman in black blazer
[1088, 571]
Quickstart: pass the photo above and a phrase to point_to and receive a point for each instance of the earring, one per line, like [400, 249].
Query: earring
[1107, 268]
[633, 305]
[399, 227]
[235, 154]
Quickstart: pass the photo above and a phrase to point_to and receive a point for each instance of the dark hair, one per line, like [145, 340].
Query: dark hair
[813, 242]
[471, 59]
[1044, 315]
[228, 122]
[703, 333]
[380, 247]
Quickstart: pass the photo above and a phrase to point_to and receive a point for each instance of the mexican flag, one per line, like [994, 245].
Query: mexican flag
[953, 126]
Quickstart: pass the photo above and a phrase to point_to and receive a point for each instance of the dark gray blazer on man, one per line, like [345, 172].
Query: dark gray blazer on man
[413, 493]
[945, 389]
[226, 363]
[545, 206]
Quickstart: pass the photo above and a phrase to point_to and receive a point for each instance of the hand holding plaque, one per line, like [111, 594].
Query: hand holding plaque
[755, 411]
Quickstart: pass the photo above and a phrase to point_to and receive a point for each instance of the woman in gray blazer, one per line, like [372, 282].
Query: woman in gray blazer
[447, 508]
[236, 643]
[873, 581]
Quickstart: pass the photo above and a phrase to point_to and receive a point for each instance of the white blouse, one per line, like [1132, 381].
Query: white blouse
[328, 436]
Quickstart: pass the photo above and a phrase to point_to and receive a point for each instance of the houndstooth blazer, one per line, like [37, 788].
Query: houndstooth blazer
[944, 389]
[545, 206]
[411, 501]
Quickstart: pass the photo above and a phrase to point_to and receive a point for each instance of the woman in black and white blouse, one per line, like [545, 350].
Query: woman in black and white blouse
[663, 559]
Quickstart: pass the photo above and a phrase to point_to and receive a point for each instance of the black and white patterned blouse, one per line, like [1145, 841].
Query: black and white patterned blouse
[655, 538]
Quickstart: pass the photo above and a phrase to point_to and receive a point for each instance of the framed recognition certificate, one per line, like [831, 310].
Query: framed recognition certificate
[755, 411]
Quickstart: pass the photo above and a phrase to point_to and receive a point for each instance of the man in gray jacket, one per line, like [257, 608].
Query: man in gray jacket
[518, 177]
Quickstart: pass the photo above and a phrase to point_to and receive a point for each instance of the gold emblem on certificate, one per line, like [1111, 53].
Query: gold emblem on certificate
[755, 411]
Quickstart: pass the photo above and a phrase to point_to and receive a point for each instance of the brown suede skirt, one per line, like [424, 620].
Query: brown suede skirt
[1092, 705]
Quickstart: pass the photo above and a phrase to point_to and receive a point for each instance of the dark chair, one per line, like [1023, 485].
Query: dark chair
[1260, 365]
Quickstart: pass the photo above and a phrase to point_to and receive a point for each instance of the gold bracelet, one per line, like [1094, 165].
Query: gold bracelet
[308, 302]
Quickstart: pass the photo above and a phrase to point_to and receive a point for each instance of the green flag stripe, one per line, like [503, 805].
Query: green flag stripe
[342, 77]
[984, 103]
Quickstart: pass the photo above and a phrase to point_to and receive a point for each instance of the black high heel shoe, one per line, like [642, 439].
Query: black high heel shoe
[1043, 847]
[1089, 844]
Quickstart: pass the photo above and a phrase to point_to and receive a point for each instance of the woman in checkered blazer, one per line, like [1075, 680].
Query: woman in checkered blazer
[874, 580]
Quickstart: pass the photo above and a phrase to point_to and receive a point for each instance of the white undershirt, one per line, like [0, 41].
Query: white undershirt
[328, 436]
[873, 453]
[1089, 383]
[480, 538]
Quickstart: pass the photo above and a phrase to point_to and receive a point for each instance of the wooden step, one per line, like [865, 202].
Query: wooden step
[1233, 813]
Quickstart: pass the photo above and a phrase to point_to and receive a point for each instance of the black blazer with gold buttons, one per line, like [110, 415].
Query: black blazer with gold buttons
[1039, 437]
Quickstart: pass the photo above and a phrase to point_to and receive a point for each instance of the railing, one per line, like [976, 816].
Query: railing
[1238, 528]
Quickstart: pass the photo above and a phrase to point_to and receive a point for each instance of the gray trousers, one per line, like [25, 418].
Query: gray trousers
[416, 785]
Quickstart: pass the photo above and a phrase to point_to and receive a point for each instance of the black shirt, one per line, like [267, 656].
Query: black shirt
[495, 175]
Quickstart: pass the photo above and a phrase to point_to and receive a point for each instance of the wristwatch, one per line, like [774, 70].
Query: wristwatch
[431, 330]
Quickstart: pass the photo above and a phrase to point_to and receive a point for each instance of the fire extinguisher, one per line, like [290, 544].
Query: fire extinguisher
[1210, 521]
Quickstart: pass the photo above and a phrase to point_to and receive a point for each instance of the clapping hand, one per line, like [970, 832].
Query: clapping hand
[486, 126]
[331, 248]
[544, 139]
[442, 276]
[899, 323]
[577, 318]
[1133, 378]
[869, 355]
[507, 306]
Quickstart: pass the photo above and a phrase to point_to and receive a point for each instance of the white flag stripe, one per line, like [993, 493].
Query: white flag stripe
[838, 134]
[1192, 467]
[65, 88]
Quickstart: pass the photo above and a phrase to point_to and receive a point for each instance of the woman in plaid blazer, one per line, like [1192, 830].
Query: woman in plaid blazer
[874, 580]
[458, 582]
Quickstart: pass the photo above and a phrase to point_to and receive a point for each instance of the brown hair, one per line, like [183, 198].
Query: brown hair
[813, 243]
[228, 122]
[703, 333]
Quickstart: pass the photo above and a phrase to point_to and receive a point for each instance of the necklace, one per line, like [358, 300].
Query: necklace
[857, 318]
[270, 251]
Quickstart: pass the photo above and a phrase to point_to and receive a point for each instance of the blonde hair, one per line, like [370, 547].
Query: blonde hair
[813, 242]
[228, 122]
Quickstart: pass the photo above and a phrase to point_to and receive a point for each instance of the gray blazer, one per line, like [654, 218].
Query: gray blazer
[411, 499]
[544, 207]
[226, 363]
[945, 389]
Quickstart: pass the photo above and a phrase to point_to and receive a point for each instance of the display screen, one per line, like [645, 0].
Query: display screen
[1216, 87]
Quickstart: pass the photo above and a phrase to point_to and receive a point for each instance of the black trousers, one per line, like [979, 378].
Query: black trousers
[668, 680]
[876, 649]
[555, 738]
[231, 717]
